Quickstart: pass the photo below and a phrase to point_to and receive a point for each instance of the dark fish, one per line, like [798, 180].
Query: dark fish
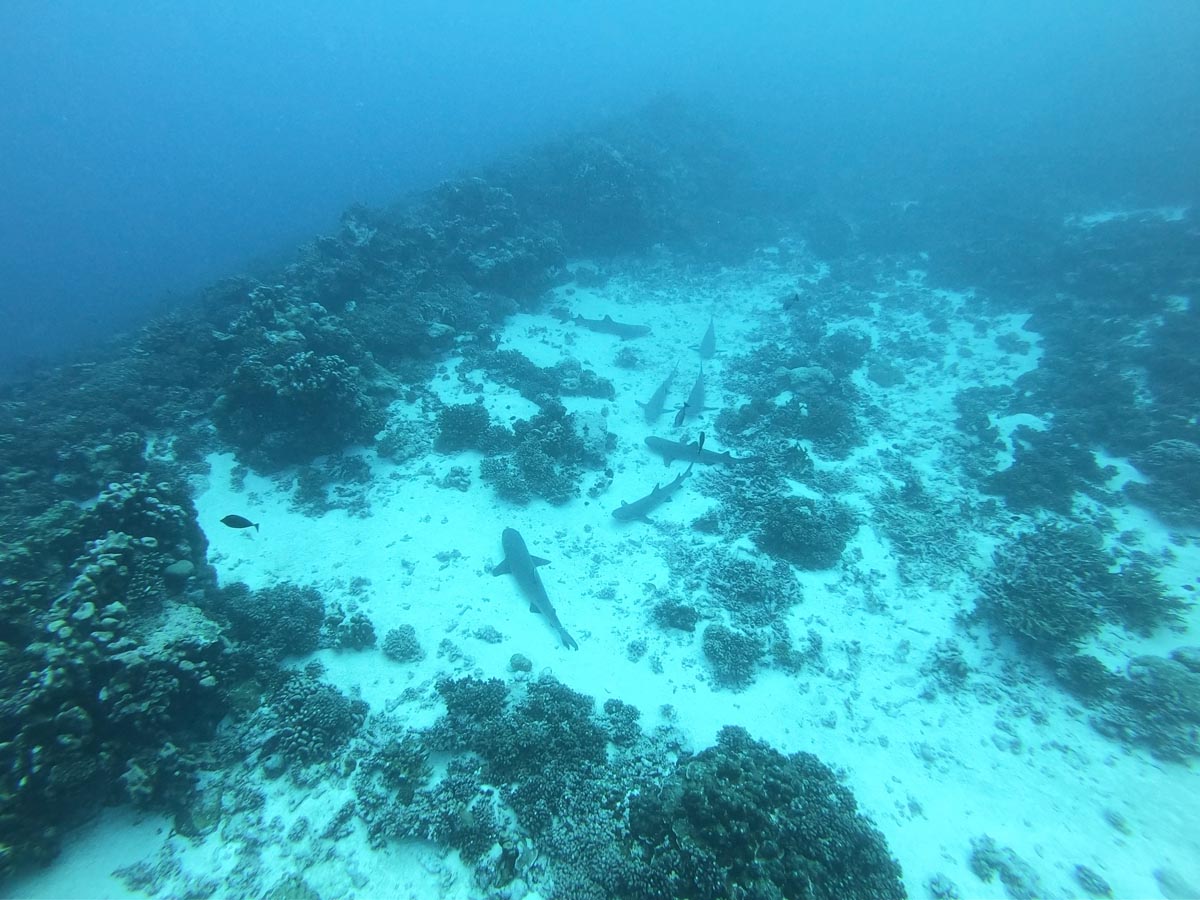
[523, 567]
[653, 407]
[708, 343]
[239, 522]
[681, 415]
[608, 326]
[700, 444]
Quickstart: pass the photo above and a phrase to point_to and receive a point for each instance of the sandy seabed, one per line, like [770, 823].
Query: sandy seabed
[1010, 756]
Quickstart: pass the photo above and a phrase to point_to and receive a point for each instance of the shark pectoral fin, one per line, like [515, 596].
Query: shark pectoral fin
[538, 561]
[502, 569]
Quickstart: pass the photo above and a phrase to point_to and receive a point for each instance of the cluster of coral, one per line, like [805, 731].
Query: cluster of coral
[112, 669]
[544, 792]
[119, 655]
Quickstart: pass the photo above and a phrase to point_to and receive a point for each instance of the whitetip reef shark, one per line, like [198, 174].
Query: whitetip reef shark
[523, 567]
[695, 401]
[653, 407]
[641, 509]
[672, 450]
[608, 326]
[708, 343]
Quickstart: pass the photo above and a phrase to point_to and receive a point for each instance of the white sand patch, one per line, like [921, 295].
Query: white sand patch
[116, 838]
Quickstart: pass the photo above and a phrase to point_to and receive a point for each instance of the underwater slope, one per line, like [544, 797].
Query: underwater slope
[925, 574]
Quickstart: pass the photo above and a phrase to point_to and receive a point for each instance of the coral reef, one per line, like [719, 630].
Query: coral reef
[513, 369]
[535, 797]
[306, 405]
[400, 644]
[791, 396]
[117, 653]
[553, 449]
[1048, 468]
[946, 669]
[674, 614]
[106, 660]
[809, 534]
[1053, 587]
[308, 720]
[742, 819]
[1156, 704]
[1020, 880]
[733, 655]
[282, 620]
[467, 426]
[352, 632]
[753, 592]
[1174, 490]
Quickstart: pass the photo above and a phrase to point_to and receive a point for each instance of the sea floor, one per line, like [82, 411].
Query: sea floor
[1009, 756]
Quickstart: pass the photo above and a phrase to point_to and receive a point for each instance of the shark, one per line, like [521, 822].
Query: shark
[653, 407]
[608, 326]
[641, 509]
[524, 568]
[708, 343]
[695, 401]
[672, 450]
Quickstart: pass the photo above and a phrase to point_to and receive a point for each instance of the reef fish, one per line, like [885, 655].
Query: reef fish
[234, 521]
[608, 326]
[523, 567]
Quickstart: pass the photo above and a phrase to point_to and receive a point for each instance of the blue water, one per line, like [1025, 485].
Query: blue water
[150, 148]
